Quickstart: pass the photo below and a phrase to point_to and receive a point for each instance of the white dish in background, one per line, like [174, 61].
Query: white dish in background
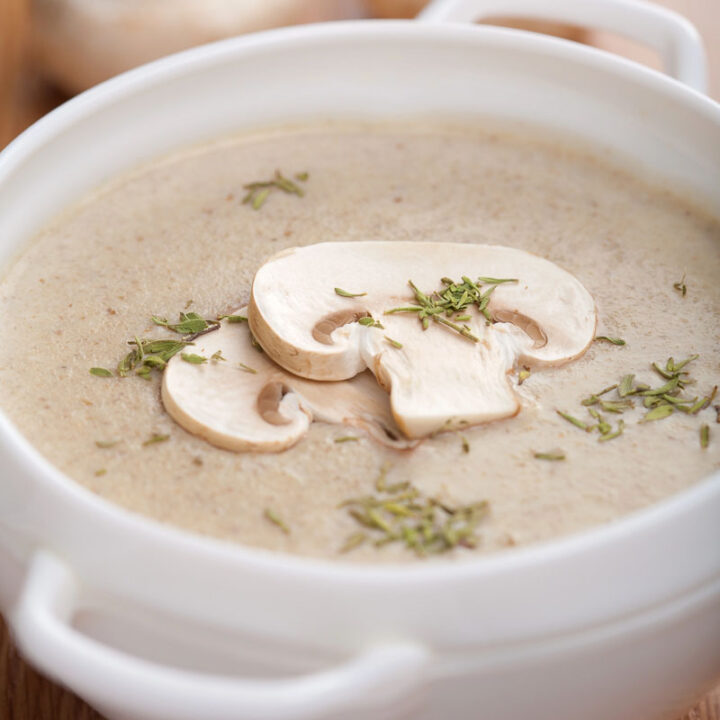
[147, 622]
[79, 43]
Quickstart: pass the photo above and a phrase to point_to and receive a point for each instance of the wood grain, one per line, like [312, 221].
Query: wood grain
[13, 30]
[24, 693]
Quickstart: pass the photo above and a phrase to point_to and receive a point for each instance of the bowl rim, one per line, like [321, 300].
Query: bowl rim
[57, 483]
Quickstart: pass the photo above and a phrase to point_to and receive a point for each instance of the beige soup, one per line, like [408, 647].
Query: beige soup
[174, 236]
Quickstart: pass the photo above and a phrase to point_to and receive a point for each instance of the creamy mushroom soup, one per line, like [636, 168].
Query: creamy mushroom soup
[119, 309]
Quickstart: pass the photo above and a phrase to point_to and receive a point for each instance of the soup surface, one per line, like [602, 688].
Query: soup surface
[174, 236]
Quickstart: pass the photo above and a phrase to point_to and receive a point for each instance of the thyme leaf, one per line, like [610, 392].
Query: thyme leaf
[609, 435]
[495, 281]
[189, 324]
[156, 438]
[681, 287]
[675, 368]
[275, 519]
[193, 359]
[704, 436]
[100, 372]
[658, 413]
[370, 321]
[345, 293]
[149, 355]
[258, 199]
[258, 192]
[577, 423]
[616, 406]
[613, 340]
[626, 387]
[353, 541]
[552, 455]
[668, 387]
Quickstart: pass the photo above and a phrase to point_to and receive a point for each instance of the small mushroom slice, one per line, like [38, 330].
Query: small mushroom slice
[246, 402]
[437, 379]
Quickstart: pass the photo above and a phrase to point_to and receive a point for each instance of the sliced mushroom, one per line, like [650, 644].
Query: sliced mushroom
[438, 379]
[246, 402]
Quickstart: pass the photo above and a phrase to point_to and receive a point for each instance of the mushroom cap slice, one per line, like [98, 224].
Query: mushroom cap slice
[438, 379]
[268, 410]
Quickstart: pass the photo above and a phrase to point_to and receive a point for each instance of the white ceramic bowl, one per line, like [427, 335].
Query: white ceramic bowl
[150, 623]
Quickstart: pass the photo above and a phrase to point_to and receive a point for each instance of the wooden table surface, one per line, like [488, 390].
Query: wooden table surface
[27, 695]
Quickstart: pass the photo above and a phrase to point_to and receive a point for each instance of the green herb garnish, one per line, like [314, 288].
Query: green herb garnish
[492, 281]
[595, 398]
[218, 357]
[394, 343]
[577, 423]
[105, 444]
[454, 298]
[626, 386]
[616, 406]
[661, 402]
[156, 438]
[398, 513]
[346, 438]
[553, 455]
[658, 413]
[233, 318]
[609, 434]
[681, 287]
[275, 519]
[258, 192]
[100, 472]
[370, 321]
[259, 197]
[149, 355]
[670, 386]
[247, 368]
[193, 359]
[100, 372]
[190, 324]
[153, 354]
[345, 293]
[704, 436]
[353, 541]
[613, 340]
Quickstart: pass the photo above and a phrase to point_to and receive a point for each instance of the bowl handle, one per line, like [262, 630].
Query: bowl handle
[674, 37]
[380, 677]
